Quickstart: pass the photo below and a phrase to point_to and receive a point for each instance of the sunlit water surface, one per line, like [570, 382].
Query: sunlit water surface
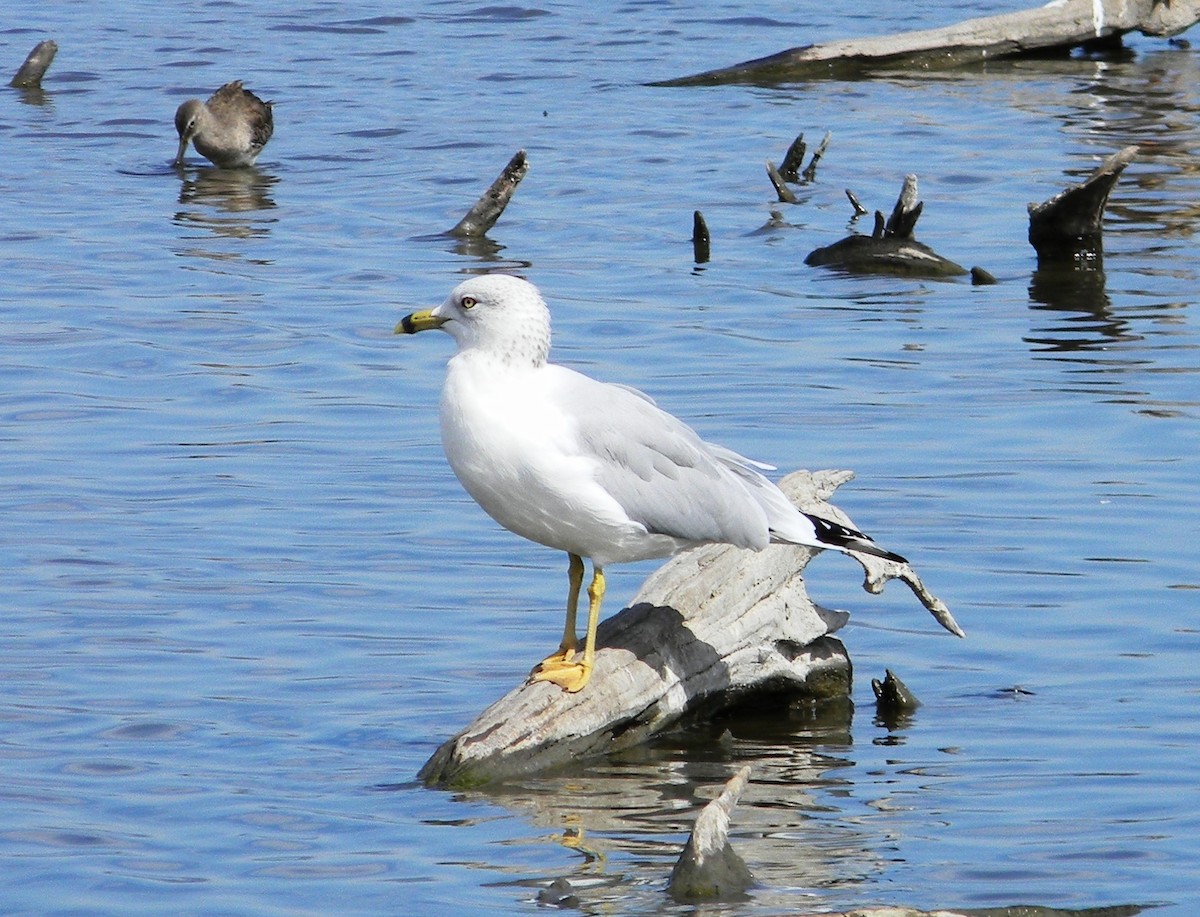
[244, 599]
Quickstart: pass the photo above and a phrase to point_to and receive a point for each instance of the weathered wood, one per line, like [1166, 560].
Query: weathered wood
[790, 169]
[487, 209]
[859, 209]
[891, 248]
[30, 73]
[810, 171]
[1071, 223]
[712, 627]
[782, 191]
[793, 160]
[1019, 910]
[1062, 24]
[701, 240]
[709, 869]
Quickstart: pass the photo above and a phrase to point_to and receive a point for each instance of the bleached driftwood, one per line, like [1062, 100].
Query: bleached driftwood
[1019, 910]
[487, 209]
[712, 627]
[709, 868]
[30, 73]
[1062, 24]
[1071, 222]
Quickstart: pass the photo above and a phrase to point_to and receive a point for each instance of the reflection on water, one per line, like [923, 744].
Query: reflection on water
[1073, 294]
[226, 201]
[632, 815]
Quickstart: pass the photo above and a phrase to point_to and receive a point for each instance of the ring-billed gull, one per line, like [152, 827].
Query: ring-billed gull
[230, 129]
[587, 467]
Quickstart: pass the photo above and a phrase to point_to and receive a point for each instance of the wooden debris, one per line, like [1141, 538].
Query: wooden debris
[30, 73]
[892, 695]
[1019, 910]
[781, 189]
[709, 868]
[1062, 24]
[810, 171]
[1070, 224]
[891, 248]
[790, 170]
[793, 160]
[906, 211]
[701, 242]
[487, 209]
[894, 703]
[859, 209]
[712, 627]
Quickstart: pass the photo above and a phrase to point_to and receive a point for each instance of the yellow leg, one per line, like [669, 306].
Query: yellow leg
[566, 649]
[572, 676]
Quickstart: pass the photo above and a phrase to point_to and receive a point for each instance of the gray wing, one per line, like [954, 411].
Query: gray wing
[660, 471]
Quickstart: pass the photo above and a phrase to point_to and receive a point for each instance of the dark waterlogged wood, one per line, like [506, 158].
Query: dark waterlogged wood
[487, 209]
[701, 240]
[713, 627]
[782, 191]
[30, 73]
[1060, 25]
[1071, 223]
[709, 869]
[891, 248]
[790, 168]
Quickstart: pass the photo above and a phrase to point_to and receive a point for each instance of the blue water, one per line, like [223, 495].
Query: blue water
[244, 599]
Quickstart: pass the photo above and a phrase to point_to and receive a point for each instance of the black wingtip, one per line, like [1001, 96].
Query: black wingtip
[837, 535]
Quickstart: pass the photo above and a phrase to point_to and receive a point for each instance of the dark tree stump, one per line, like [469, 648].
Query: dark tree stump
[1071, 223]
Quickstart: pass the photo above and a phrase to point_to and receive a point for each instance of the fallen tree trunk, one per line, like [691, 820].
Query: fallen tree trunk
[1063, 24]
[711, 628]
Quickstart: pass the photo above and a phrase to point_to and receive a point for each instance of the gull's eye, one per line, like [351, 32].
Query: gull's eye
[468, 302]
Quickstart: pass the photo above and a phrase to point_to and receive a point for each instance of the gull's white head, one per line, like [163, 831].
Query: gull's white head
[497, 314]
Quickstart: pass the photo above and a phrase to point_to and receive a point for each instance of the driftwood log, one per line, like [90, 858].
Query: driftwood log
[1060, 25]
[1070, 224]
[714, 627]
[891, 248]
[487, 209]
[1019, 910]
[30, 73]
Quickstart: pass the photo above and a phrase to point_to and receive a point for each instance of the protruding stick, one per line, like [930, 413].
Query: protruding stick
[859, 209]
[810, 171]
[701, 241]
[487, 209]
[781, 188]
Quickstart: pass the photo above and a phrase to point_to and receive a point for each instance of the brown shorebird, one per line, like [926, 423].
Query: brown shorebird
[230, 129]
